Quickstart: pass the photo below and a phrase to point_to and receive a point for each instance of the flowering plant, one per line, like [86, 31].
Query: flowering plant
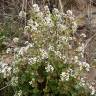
[51, 62]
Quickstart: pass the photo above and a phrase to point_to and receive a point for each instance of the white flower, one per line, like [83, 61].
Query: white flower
[71, 72]
[15, 40]
[30, 23]
[58, 53]
[48, 21]
[22, 14]
[51, 48]
[82, 82]
[76, 59]
[33, 25]
[36, 24]
[61, 27]
[46, 8]
[57, 15]
[55, 11]
[86, 65]
[34, 28]
[32, 60]
[63, 38]
[92, 90]
[44, 54]
[81, 48]
[83, 35]
[47, 11]
[69, 13]
[18, 93]
[15, 70]
[26, 28]
[14, 81]
[5, 69]
[8, 50]
[64, 76]
[32, 81]
[36, 8]
[49, 68]
[6, 72]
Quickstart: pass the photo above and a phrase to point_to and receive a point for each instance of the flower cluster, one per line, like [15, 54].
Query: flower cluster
[49, 68]
[5, 69]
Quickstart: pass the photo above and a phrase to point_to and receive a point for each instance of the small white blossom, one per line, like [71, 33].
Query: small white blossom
[30, 23]
[93, 91]
[22, 14]
[32, 81]
[55, 11]
[15, 40]
[76, 59]
[63, 38]
[49, 68]
[84, 65]
[33, 25]
[61, 27]
[15, 70]
[82, 82]
[58, 53]
[44, 54]
[83, 35]
[64, 76]
[14, 81]
[81, 48]
[18, 93]
[32, 60]
[36, 24]
[47, 9]
[48, 21]
[9, 50]
[87, 66]
[36, 8]
[26, 28]
[69, 13]
[71, 72]
[51, 48]
[5, 69]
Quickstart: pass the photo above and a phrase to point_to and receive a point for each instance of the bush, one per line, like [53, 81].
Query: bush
[51, 62]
